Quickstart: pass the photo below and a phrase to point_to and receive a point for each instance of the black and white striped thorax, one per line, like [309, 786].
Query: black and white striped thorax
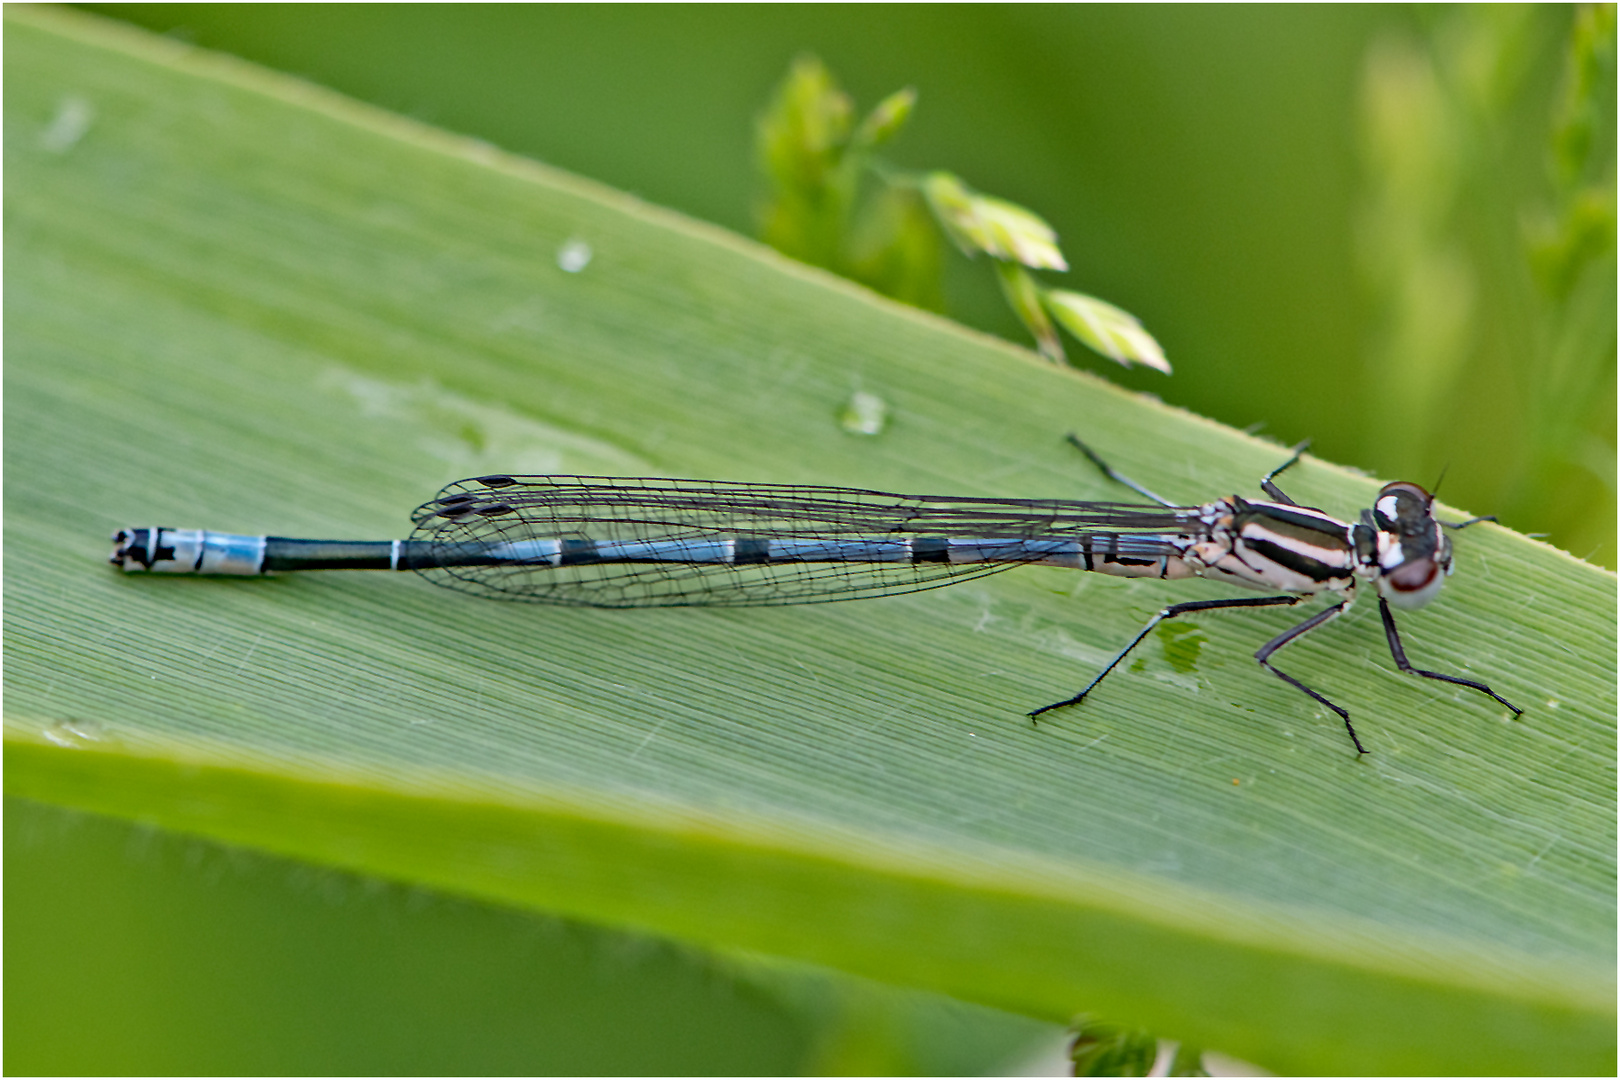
[1398, 546]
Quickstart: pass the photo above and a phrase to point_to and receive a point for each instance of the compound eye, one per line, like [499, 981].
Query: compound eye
[1402, 507]
[1413, 583]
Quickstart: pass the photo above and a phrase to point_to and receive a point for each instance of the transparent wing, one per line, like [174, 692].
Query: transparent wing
[504, 512]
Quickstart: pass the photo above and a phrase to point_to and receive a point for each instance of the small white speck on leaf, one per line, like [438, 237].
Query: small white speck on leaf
[574, 256]
[864, 414]
[73, 118]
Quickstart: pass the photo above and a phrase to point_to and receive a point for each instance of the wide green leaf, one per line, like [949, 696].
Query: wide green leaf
[238, 302]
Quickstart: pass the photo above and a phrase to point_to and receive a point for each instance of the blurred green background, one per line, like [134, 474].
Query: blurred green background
[131, 949]
[1377, 227]
[1387, 229]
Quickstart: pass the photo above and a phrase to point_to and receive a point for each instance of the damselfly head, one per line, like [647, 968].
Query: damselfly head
[1414, 553]
[1403, 508]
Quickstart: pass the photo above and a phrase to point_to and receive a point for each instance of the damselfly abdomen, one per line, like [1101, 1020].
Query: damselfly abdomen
[600, 541]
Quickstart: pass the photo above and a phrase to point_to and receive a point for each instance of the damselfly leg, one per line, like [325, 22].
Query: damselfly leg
[1266, 482]
[1170, 613]
[1109, 471]
[1264, 656]
[1405, 665]
[1272, 489]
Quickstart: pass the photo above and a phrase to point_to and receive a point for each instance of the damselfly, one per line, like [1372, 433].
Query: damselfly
[611, 542]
